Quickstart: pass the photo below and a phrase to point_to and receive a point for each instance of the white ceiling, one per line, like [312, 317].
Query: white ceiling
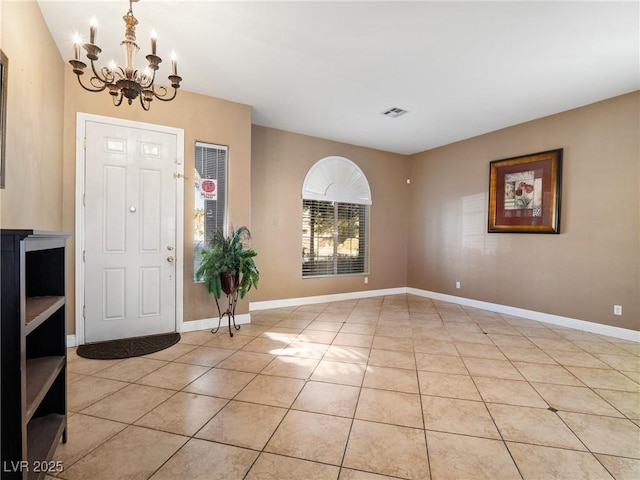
[329, 69]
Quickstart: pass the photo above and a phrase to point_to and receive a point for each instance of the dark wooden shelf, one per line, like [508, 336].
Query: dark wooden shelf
[42, 440]
[43, 240]
[39, 309]
[33, 404]
[41, 372]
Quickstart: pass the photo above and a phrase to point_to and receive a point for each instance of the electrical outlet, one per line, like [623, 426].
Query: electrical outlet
[457, 284]
[366, 279]
[617, 309]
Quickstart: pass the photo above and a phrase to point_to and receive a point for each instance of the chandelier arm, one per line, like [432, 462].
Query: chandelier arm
[119, 99]
[161, 92]
[149, 83]
[161, 96]
[145, 105]
[109, 74]
[97, 83]
[98, 77]
[95, 89]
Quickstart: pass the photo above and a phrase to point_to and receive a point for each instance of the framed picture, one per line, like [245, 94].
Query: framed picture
[524, 193]
[4, 65]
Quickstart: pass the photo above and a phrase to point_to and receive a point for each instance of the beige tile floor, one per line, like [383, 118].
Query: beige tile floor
[390, 387]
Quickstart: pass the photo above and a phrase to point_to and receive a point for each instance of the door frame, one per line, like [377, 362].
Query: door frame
[81, 125]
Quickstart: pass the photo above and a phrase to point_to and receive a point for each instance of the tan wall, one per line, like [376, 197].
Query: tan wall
[280, 162]
[204, 119]
[33, 194]
[593, 264]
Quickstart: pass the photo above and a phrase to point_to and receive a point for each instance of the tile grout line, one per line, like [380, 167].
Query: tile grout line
[484, 402]
[353, 418]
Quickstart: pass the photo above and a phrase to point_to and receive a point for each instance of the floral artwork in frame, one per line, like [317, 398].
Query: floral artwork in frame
[524, 193]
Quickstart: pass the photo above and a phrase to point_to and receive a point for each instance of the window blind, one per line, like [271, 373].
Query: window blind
[334, 238]
[210, 197]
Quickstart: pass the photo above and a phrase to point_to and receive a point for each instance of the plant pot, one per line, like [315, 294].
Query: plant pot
[229, 282]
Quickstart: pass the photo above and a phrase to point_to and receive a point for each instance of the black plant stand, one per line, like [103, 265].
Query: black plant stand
[230, 312]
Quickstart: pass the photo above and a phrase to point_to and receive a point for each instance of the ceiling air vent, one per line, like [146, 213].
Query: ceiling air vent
[394, 112]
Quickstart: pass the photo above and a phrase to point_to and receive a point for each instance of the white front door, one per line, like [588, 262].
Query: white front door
[130, 232]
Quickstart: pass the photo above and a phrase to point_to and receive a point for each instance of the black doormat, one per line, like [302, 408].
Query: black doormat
[128, 347]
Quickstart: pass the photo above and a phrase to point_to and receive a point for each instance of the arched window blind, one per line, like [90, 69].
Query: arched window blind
[335, 217]
[336, 179]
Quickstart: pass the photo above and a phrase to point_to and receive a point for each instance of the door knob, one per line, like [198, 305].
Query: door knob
[170, 259]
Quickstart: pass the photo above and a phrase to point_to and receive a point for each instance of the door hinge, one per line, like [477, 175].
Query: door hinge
[84, 312]
[84, 143]
[84, 199]
[84, 255]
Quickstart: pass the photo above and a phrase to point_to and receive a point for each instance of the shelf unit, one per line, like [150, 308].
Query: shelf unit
[33, 343]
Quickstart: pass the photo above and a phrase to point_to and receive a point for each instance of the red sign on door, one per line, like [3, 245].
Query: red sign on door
[209, 189]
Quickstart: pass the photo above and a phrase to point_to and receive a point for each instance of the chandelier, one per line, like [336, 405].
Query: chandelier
[125, 82]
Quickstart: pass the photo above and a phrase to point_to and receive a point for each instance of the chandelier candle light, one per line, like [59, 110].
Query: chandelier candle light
[127, 82]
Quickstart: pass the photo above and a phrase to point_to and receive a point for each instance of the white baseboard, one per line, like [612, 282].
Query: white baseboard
[204, 324]
[208, 323]
[599, 328]
[336, 297]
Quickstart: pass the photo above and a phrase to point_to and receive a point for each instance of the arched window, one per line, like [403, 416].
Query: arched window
[335, 219]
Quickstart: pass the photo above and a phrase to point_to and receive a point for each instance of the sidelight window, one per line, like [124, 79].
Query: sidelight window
[211, 163]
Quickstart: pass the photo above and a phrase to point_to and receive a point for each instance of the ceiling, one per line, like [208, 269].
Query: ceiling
[328, 69]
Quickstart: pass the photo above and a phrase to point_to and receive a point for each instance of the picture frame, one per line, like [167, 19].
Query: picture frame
[4, 74]
[525, 193]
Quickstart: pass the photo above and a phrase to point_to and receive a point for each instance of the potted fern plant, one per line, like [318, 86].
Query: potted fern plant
[228, 264]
